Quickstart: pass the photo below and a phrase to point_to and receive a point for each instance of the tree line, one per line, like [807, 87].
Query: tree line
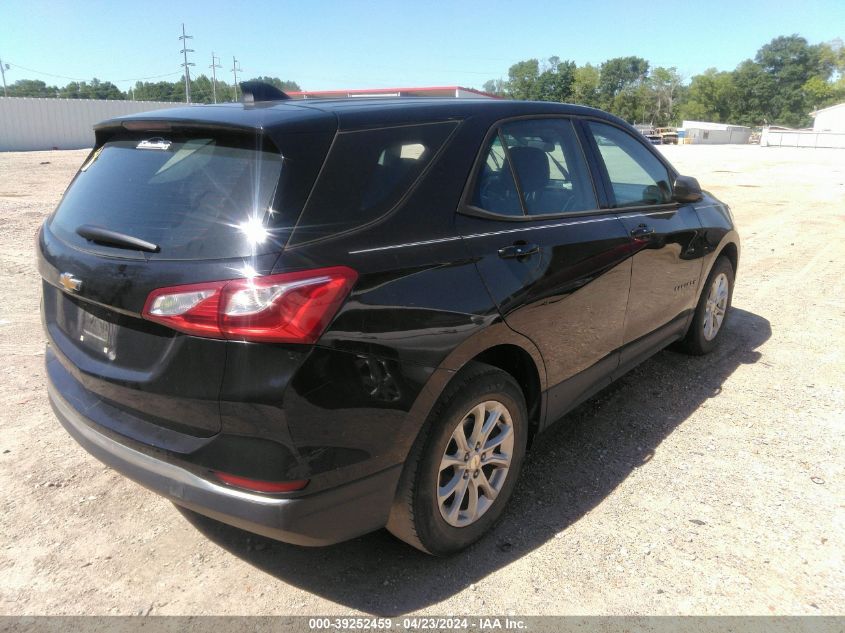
[786, 80]
[202, 90]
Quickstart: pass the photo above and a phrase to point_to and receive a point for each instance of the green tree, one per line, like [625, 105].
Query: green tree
[168, 91]
[32, 88]
[522, 79]
[95, 90]
[585, 86]
[785, 81]
[527, 80]
[820, 94]
[754, 96]
[495, 87]
[555, 82]
[201, 90]
[666, 86]
[710, 97]
[178, 91]
[632, 104]
[618, 75]
[157, 91]
[789, 62]
[226, 92]
[283, 85]
[73, 90]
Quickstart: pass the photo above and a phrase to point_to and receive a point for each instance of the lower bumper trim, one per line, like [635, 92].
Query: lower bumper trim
[324, 518]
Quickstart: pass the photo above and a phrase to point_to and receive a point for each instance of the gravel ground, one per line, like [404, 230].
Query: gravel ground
[692, 486]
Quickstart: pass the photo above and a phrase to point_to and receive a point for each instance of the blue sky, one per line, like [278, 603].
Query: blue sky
[323, 44]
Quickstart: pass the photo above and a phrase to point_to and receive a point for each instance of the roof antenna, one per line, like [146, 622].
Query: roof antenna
[257, 91]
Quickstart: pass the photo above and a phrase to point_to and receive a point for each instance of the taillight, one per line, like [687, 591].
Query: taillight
[286, 308]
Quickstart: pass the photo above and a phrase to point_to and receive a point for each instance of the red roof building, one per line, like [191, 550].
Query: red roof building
[451, 92]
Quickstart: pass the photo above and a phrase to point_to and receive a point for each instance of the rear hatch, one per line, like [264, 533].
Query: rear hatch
[159, 205]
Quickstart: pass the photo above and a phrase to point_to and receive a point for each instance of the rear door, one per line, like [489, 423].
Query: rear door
[210, 206]
[553, 261]
[666, 264]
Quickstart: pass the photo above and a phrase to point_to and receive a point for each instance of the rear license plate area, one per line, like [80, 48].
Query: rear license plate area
[97, 335]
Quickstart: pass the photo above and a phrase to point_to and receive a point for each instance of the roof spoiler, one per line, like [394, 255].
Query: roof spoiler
[256, 91]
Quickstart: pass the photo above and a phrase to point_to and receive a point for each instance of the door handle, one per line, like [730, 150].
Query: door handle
[642, 231]
[520, 249]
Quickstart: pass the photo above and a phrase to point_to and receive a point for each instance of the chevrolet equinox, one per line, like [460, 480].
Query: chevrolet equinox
[314, 319]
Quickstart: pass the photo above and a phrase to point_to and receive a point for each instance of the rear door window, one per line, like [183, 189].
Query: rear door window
[366, 175]
[195, 198]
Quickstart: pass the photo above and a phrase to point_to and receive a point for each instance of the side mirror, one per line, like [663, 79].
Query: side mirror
[686, 189]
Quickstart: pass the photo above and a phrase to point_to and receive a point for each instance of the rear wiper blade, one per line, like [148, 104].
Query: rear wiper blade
[99, 235]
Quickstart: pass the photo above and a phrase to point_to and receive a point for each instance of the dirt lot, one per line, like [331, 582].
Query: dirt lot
[693, 486]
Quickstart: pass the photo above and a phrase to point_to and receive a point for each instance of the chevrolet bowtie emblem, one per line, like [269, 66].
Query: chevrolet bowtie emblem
[69, 282]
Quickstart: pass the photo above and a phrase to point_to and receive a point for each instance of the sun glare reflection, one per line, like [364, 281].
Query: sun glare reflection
[254, 230]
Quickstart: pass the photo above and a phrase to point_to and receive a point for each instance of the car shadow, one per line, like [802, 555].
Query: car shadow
[575, 466]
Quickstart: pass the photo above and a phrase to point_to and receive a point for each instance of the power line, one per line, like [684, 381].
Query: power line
[176, 72]
[40, 72]
[235, 70]
[214, 66]
[3, 68]
[185, 50]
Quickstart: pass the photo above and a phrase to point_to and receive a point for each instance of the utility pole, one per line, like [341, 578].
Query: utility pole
[214, 66]
[235, 69]
[3, 69]
[185, 50]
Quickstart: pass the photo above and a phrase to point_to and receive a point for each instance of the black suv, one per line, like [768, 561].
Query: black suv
[315, 319]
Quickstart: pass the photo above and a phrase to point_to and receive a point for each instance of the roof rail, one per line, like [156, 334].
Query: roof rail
[256, 91]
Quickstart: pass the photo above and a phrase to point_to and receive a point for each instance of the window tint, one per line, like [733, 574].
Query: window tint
[550, 167]
[366, 174]
[637, 177]
[196, 198]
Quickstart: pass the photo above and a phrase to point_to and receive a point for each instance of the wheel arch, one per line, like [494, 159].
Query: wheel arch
[514, 360]
[731, 251]
[728, 246]
[497, 345]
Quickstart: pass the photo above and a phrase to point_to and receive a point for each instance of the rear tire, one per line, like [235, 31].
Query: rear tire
[464, 465]
[712, 310]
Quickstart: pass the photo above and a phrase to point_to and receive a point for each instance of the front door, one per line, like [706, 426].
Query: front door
[665, 236]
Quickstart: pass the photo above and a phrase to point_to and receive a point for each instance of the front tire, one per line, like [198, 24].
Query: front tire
[712, 310]
[463, 467]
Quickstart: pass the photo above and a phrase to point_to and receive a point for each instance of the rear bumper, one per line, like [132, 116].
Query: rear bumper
[323, 518]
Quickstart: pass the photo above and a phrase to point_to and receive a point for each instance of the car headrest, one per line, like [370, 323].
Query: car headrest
[532, 166]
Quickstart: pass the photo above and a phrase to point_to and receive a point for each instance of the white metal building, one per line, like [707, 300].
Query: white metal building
[828, 131]
[705, 132]
[831, 119]
[780, 137]
[29, 123]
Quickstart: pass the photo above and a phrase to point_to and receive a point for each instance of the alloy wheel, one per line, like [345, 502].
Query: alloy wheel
[716, 306]
[475, 463]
